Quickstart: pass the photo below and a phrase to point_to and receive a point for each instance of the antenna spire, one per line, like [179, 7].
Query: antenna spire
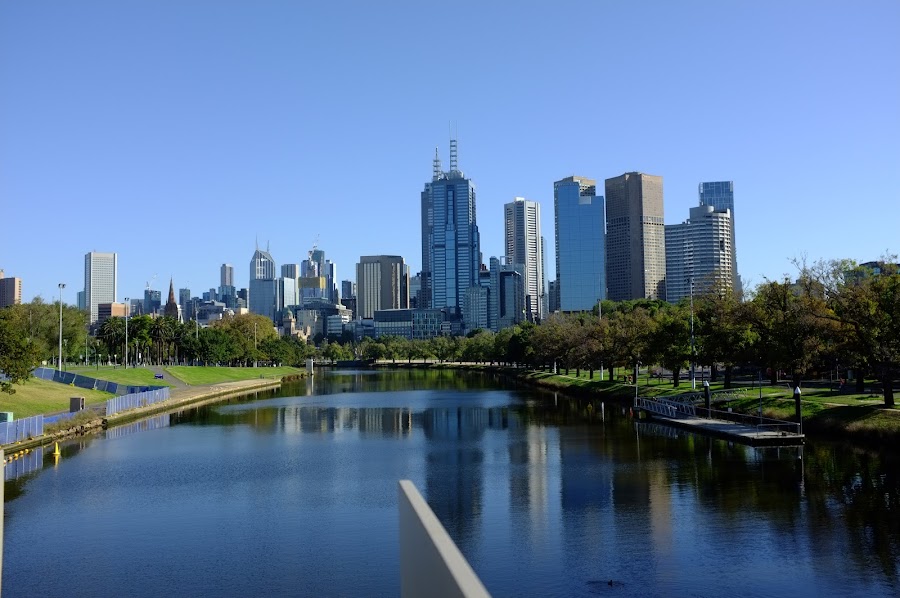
[436, 173]
[454, 163]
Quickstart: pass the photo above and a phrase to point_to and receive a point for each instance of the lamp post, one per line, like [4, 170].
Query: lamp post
[61, 286]
[693, 360]
[126, 332]
[600, 318]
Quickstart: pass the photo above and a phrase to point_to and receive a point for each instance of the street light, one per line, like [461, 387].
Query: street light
[61, 286]
[126, 332]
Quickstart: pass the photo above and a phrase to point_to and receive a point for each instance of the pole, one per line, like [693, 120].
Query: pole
[693, 361]
[61, 286]
[600, 318]
[797, 409]
[3, 477]
[707, 398]
[126, 332]
[255, 363]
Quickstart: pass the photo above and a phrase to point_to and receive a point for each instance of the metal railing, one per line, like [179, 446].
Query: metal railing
[675, 409]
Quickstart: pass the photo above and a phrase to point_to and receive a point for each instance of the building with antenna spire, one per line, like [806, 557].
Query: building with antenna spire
[451, 244]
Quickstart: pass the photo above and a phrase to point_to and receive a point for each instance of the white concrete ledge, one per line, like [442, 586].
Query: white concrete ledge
[430, 563]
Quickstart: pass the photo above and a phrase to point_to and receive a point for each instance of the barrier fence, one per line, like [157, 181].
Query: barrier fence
[151, 423]
[21, 429]
[135, 400]
[23, 465]
[89, 383]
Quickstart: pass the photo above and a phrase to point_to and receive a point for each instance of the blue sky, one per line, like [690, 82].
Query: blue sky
[176, 133]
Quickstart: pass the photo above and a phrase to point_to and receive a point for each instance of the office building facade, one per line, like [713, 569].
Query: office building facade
[699, 254]
[10, 290]
[262, 296]
[635, 238]
[382, 282]
[525, 247]
[100, 281]
[580, 227]
[451, 244]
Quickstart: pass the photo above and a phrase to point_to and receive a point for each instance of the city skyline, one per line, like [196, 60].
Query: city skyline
[232, 123]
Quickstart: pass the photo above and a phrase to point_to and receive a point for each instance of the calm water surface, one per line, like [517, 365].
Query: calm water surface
[295, 493]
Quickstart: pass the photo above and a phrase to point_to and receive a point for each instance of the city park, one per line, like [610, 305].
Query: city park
[835, 331]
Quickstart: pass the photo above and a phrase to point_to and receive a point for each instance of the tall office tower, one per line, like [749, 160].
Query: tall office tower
[580, 217]
[635, 238]
[331, 289]
[451, 245]
[171, 310]
[10, 291]
[720, 195]
[152, 301]
[382, 282]
[290, 270]
[79, 300]
[348, 289]
[100, 272]
[506, 305]
[184, 301]
[553, 296]
[262, 284]
[699, 253]
[524, 245]
[226, 275]
[286, 296]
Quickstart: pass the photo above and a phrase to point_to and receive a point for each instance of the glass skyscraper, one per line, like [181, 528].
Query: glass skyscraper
[580, 217]
[262, 284]
[525, 247]
[720, 195]
[451, 245]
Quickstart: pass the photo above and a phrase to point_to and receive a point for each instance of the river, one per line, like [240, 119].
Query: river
[294, 493]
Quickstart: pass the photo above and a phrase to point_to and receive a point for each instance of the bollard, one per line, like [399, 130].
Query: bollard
[797, 410]
[707, 397]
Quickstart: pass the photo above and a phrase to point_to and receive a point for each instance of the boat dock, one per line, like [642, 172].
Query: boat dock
[737, 427]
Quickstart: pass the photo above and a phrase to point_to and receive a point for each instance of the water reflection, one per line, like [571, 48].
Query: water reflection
[545, 495]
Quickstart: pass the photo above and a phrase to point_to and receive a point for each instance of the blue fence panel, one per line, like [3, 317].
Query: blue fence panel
[150, 423]
[52, 419]
[136, 400]
[21, 429]
[87, 382]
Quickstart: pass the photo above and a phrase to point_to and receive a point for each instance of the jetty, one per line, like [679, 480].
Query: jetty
[737, 427]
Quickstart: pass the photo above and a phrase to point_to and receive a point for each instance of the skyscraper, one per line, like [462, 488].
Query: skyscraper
[262, 284]
[720, 195]
[698, 253]
[451, 245]
[580, 226]
[10, 291]
[382, 282]
[100, 279]
[525, 246]
[635, 238]
[184, 301]
[226, 275]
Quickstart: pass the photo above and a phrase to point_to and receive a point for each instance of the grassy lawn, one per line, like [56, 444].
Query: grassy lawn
[40, 396]
[198, 375]
[133, 376]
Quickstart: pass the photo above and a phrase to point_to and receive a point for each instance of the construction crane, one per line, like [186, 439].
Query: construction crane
[149, 282]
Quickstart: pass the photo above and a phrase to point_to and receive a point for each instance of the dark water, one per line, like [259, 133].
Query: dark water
[292, 495]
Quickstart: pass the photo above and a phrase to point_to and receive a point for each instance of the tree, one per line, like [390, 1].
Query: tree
[671, 340]
[18, 355]
[724, 332]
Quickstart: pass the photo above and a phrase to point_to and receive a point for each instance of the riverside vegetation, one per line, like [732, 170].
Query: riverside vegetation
[835, 319]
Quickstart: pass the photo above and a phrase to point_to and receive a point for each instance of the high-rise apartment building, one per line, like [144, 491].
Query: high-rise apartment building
[184, 302]
[10, 291]
[720, 195]
[348, 289]
[100, 279]
[262, 284]
[635, 238]
[699, 254]
[580, 226]
[382, 282]
[525, 247]
[506, 305]
[152, 301]
[451, 245]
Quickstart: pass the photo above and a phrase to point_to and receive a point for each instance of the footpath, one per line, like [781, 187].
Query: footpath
[179, 398]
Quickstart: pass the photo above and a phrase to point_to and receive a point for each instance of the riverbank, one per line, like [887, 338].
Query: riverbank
[179, 399]
[863, 420]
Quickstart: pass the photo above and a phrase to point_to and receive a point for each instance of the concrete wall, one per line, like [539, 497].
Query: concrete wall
[430, 563]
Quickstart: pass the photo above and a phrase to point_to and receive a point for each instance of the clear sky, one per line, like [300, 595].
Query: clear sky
[176, 133]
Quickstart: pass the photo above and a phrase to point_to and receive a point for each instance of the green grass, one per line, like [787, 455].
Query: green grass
[199, 375]
[41, 396]
[132, 376]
